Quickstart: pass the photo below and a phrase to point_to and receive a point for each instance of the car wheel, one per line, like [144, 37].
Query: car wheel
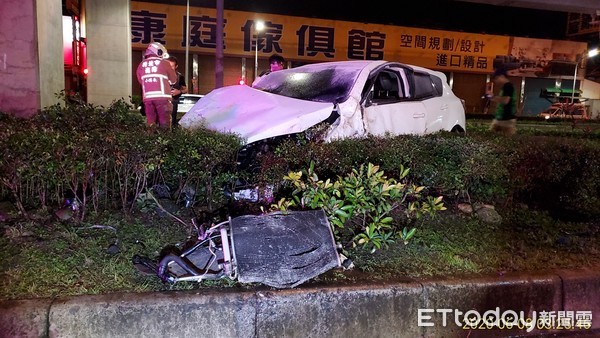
[458, 130]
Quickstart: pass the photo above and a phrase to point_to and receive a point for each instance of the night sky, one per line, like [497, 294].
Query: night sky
[435, 14]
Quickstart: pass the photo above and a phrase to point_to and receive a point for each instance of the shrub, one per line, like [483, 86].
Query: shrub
[456, 167]
[365, 205]
[105, 157]
[200, 160]
[557, 174]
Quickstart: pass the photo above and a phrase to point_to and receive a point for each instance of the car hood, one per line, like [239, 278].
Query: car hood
[253, 114]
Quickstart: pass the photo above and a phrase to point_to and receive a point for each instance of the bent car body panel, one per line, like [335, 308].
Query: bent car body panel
[253, 114]
[381, 120]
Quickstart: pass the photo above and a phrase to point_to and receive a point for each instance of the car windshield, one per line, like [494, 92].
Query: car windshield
[320, 84]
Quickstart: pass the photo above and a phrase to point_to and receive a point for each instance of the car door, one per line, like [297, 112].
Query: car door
[389, 109]
[429, 90]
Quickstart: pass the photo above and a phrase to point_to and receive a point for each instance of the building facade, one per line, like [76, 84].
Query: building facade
[103, 41]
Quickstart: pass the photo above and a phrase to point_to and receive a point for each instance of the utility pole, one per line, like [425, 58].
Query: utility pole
[219, 49]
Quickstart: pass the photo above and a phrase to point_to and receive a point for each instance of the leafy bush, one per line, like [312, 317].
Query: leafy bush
[365, 204]
[557, 174]
[82, 155]
[551, 173]
[201, 161]
[456, 167]
[97, 157]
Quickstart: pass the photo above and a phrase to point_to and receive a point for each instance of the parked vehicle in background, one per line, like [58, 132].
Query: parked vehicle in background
[187, 101]
[565, 110]
[333, 100]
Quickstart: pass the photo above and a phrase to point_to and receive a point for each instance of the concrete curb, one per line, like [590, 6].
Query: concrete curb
[383, 310]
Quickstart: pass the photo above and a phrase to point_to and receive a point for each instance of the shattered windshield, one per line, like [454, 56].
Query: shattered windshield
[320, 84]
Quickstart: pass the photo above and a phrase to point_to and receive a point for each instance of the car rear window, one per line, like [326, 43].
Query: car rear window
[427, 86]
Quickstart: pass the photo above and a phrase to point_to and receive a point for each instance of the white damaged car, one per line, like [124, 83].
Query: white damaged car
[338, 99]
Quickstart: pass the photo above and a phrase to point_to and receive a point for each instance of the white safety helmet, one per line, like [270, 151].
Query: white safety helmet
[156, 49]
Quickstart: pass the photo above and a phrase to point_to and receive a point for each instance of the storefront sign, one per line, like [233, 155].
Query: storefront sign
[312, 40]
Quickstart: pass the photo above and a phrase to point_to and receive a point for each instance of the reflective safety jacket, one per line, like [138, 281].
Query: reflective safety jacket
[156, 76]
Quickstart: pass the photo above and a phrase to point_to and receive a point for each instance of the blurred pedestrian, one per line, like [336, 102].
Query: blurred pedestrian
[489, 87]
[505, 118]
[178, 88]
[155, 75]
[276, 62]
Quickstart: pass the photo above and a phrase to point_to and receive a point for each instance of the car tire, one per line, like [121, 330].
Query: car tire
[458, 130]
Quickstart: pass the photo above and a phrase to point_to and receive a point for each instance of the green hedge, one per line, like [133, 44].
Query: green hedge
[560, 175]
[555, 173]
[448, 164]
[110, 154]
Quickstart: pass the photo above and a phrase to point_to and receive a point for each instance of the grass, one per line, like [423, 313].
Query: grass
[574, 127]
[63, 259]
[50, 258]
[458, 245]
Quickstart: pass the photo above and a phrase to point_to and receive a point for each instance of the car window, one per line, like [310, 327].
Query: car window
[386, 88]
[331, 84]
[427, 85]
[437, 85]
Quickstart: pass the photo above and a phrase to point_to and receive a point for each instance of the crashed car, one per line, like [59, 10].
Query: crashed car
[325, 102]
[344, 99]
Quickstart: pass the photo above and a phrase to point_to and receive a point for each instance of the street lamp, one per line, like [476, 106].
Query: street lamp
[258, 27]
[591, 53]
[187, 44]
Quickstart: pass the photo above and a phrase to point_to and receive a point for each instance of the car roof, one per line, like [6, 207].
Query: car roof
[361, 65]
[353, 64]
